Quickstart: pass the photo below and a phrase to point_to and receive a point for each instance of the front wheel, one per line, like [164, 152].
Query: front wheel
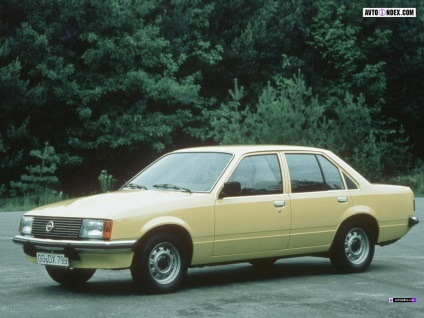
[70, 276]
[161, 265]
[353, 249]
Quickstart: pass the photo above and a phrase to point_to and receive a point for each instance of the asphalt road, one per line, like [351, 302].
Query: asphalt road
[298, 287]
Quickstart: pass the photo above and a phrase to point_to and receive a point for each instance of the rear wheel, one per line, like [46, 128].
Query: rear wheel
[353, 249]
[161, 265]
[70, 276]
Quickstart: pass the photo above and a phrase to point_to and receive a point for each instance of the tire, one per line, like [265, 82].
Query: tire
[353, 249]
[263, 263]
[70, 276]
[160, 266]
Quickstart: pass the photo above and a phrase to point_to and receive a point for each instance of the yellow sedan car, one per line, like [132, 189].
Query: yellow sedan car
[215, 205]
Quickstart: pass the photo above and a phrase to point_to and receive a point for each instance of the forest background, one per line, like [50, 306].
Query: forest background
[91, 87]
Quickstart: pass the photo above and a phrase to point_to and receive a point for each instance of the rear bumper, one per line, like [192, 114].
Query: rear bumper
[412, 220]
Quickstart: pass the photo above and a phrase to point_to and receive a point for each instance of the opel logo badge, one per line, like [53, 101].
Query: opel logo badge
[50, 226]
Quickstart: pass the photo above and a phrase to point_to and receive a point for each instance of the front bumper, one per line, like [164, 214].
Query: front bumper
[82, 254]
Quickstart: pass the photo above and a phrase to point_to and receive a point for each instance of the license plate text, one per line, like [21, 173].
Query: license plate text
[52, 259]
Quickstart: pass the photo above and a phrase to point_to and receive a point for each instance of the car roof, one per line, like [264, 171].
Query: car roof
[241, 149]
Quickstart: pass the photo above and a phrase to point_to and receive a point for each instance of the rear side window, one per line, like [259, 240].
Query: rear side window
[351, 185]
[310, 173]
[332, 178]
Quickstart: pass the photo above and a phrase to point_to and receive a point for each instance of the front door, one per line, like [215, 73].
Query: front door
[257, 221]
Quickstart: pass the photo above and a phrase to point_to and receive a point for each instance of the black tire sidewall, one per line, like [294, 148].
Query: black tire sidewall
[338, 256]
[140, 269]
[70, 276]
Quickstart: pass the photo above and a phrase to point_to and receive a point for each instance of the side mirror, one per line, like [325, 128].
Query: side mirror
[231, 189]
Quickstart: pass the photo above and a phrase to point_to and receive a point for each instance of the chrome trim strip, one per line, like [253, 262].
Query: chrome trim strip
[80, 245]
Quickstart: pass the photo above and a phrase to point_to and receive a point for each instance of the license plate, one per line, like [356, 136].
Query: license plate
[52, 259]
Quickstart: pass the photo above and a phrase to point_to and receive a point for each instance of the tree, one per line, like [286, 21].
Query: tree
[291, 114]
[96, 76]
[40, 180]
[230, 120]
[118, 81]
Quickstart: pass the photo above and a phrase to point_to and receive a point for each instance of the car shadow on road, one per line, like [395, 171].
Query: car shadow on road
[245, 273]
[207, 277]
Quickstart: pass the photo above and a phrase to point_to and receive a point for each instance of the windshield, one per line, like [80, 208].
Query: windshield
[192, 172]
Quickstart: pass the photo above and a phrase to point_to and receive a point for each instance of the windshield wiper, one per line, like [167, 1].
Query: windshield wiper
[135, 186]
[171, 186]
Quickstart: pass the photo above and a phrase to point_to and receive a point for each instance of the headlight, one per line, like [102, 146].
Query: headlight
[25, 227]
[96, 229]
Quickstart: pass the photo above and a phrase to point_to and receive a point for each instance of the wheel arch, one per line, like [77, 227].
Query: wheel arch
[366, 219]
[173, 229]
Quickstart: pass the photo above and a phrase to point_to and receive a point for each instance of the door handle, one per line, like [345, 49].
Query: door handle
[279, 204]
[342, 199]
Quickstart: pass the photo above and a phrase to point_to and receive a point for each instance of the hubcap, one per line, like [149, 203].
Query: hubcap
[164, 263]
[356, 246]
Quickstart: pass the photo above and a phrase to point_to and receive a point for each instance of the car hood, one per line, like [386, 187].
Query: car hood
[108, 205]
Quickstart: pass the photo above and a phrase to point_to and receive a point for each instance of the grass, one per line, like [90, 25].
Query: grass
[414, 181]
[16, 204]
[26, 202]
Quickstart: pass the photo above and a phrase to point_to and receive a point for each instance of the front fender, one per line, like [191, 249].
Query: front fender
[164, 221]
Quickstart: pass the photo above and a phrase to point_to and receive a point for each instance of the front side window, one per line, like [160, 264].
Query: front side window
[310, 172]
[259, 174]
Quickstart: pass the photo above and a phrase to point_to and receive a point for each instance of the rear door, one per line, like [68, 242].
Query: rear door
[318, 199]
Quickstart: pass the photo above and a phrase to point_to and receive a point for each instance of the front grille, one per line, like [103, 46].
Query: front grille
[61, 228]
